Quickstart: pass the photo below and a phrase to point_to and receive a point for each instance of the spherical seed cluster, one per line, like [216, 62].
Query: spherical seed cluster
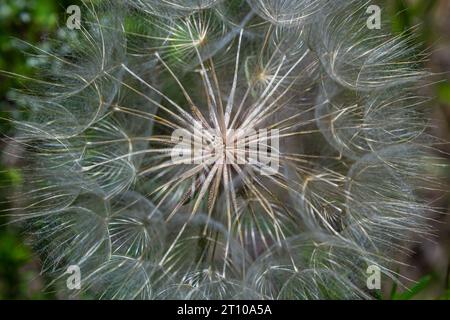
[337, 183]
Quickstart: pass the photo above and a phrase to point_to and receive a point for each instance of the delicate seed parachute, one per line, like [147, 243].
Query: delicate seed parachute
[102, 189]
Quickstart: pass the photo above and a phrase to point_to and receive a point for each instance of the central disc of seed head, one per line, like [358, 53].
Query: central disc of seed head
[226, 145]
[222, 146]
[235, 145]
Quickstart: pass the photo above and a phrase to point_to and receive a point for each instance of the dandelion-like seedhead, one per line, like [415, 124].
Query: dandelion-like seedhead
[306, 80]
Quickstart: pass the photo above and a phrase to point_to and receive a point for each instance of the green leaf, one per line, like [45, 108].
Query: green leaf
[416, 289]
[444, 92]
[402, 20]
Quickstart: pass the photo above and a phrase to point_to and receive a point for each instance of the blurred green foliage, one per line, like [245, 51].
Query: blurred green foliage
[35, 20]
[31, 21]
[418, 16]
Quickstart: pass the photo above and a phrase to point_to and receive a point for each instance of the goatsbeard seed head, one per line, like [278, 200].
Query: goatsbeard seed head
[325, 112]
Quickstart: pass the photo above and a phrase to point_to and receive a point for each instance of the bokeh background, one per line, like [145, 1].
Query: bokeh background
[36, 21]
